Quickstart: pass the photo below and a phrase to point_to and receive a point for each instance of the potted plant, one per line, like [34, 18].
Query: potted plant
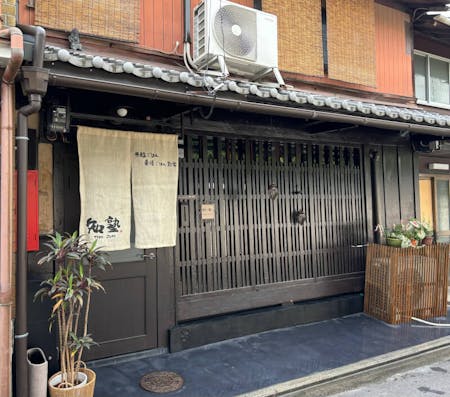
[70, 290]
[419, 230]
[397, 236]
[410, 234]
[429, 237]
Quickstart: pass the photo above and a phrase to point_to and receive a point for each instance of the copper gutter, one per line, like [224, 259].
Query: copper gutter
[6, 198]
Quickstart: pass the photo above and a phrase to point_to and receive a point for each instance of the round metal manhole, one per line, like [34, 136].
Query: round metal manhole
[161, 381]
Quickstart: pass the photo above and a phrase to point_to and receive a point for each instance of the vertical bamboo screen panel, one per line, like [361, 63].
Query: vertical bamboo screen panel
[299, 35]
[406, 282]
[351, 41]
[114, 19]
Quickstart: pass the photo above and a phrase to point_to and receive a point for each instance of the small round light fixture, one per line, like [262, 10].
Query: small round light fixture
[122, 111]
[273, 191]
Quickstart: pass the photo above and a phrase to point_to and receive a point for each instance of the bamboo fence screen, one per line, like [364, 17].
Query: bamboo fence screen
[299, 35]
[114, 19]
[351, 41]
[406, 282]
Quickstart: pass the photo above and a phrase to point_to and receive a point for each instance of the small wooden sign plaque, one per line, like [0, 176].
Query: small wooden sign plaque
[208, 212]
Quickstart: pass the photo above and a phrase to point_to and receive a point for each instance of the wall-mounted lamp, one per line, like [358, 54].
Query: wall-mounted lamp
[299, 217]
[273, 191]
[58, 119]
[122, 111]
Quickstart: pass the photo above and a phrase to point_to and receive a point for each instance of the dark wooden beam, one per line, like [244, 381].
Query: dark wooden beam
[214, 303]
[241, 125]
[186, 336]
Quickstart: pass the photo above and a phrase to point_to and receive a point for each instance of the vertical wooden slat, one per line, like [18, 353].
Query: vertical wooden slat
[349, 202]
[340, 207]
[391, 188]
[302, 245]
[322, 203]
[206, 226]
[275, 216]
[354, 201]
[249, 206]
[222, 217]
[264, 216]
[242, 224]
[290, 226]
[193, 225]
[328, 221]
[234, 215]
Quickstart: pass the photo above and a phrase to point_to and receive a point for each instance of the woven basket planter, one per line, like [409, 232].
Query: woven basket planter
[406, 282]
[86, 390]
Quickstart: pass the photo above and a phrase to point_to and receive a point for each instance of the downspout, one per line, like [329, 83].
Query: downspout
[6, 198]
[34, 85]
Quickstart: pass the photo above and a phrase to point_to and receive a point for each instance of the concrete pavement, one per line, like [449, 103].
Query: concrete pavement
[310, 360]
[428, 380]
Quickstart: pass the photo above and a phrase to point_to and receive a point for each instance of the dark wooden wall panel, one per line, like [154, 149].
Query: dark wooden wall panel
[166, 293]
[406, 183]
[391, 186]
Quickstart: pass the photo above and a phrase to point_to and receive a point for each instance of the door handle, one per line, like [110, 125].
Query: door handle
[150, 256]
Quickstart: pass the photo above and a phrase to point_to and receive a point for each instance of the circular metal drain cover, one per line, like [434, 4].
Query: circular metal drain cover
[161, 381]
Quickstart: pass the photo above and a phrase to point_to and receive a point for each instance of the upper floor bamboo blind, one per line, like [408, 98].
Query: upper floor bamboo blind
[351, 41]
[299, 35]
[115, 19]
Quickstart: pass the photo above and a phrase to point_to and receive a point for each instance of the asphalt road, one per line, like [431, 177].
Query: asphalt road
[431, 380]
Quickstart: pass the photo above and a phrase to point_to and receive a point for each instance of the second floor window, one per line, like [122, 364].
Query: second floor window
[432, 79]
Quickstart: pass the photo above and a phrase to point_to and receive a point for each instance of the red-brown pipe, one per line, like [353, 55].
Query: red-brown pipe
[6, 198]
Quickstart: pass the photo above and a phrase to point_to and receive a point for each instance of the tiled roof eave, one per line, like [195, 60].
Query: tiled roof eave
[365, 113]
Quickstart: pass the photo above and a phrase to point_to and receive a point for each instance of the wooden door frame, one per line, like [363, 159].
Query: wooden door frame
[433, 178]
[65, 158]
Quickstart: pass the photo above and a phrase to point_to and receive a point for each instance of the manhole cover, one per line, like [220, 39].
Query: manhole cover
[161, 381]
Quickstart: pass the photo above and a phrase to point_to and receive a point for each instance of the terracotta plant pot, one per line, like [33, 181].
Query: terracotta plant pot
[428, 240]
[83, 390]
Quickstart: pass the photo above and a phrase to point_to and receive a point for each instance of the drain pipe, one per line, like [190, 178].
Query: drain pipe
[6, 197]
[34, 85]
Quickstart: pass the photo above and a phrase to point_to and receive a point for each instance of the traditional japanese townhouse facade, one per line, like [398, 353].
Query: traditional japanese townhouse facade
[280, 178]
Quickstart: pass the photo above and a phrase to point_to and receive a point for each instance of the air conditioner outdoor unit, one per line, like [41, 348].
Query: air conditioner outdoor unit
[231, 37]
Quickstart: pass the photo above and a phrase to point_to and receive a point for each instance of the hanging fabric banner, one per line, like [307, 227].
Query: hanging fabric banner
[154, 187]
[105, 191]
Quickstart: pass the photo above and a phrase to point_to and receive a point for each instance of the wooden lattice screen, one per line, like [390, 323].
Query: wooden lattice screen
[115, 19]
[406, 282]
[254, 239]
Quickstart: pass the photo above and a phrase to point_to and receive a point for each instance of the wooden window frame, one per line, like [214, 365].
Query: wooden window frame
[427, 101]
[434, 178]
